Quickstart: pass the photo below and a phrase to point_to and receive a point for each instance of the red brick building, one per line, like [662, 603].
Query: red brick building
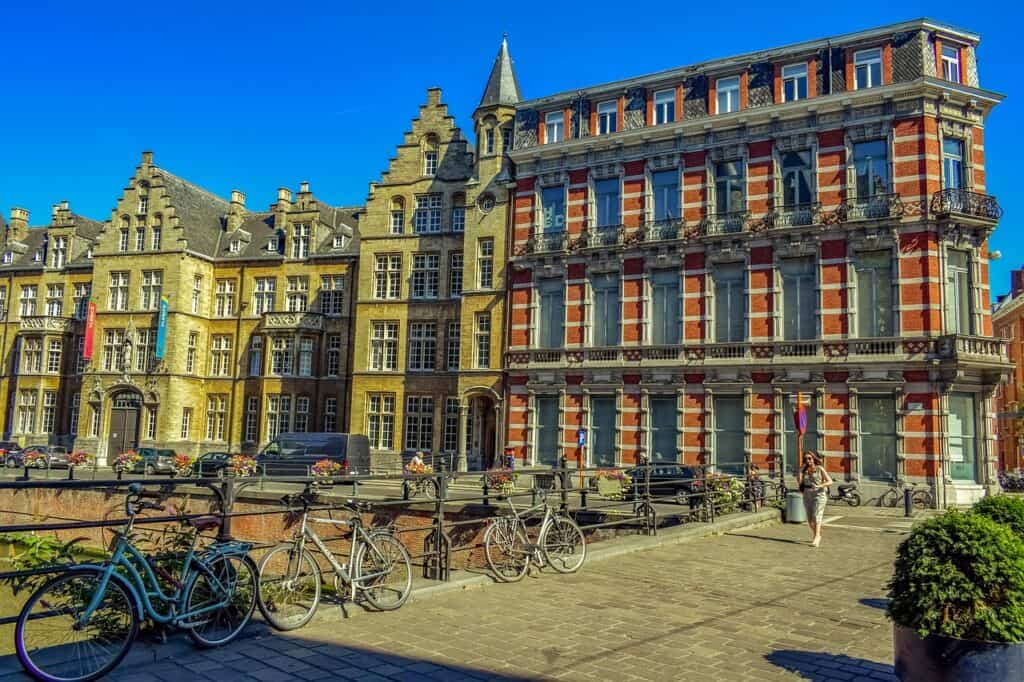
[1008, 320]
[692, 248]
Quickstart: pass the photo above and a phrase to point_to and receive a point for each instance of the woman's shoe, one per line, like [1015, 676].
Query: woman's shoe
[815, 542]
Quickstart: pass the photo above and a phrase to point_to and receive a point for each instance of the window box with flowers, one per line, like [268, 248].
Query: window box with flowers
[241, 465]
[324, 471]
[77, 459]
[501, 481]
[125, 461]
[183, 465]
[612, 484]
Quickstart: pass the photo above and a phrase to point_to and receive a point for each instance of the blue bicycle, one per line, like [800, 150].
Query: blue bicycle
[80, 624]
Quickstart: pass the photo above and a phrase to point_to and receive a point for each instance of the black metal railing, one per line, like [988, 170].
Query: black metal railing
[963, 202]
[873, 207]
[796, 215]
[664, 230]
[725, 223]
[605, 235]
[546, 241]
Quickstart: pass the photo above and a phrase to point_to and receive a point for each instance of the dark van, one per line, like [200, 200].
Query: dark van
[292, 454]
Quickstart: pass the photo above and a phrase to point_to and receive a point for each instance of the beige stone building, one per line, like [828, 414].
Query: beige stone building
[431, 289]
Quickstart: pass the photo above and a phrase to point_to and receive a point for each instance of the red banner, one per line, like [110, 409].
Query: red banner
[90, 330]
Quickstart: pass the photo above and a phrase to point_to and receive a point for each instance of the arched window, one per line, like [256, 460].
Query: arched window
[430, 155]
[397, 215]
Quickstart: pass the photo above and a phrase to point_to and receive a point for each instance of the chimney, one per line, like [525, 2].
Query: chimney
[303, 187]
[434, 96]
[1016, 279]
[147, 158]
[17, 229]
[284, 198]
[236, 212]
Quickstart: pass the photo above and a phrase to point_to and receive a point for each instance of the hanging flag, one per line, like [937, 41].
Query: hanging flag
[800, 416]
[90, 329]
[161, 329]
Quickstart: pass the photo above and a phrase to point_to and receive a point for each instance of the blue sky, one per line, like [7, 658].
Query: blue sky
[256, 96]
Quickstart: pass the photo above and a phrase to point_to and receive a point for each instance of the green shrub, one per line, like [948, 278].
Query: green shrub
[960, 575]
[1003, 509]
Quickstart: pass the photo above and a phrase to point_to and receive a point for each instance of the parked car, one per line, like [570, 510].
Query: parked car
[55, 456]
[682, 483]
[292, 454]
[154, 461]
[210, 464]
[10, 454]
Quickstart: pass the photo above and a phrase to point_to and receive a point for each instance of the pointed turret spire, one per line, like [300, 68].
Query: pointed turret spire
[502, 85]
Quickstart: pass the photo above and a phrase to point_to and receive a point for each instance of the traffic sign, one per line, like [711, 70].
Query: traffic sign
[581, 437]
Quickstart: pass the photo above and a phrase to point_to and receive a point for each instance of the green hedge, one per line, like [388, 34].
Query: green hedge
[1003, 509]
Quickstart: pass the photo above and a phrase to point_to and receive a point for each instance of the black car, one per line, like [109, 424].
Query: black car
[678, 482]
[53, 456]
[154, 461]
[10, 454]
[210, 464]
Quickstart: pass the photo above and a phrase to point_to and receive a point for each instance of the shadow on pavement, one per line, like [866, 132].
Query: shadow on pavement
[769, 538]
[819, 666]
[875, 603]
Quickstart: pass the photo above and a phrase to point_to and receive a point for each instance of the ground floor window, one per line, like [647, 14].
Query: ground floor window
[380, 420]
[450, 442]
[419, 422]
[663, 416]
[790, 452]
[602, 431]
[877, 437]
[548, 430]
[330, 414]
[729, 451]
[963, 455]
[252, 418]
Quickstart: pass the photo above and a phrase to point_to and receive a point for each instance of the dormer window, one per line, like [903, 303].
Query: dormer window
[88, 253]
[430, 155]
[951, 63]
[339, 242]
[867, 65]
[143, 204]
[794, 82]
[554, 127]
[728, 94]
[60, 251]
[8, 257]
[235, 246]
[38, 255]
[272, 244]
[300, 241]
[607, 114]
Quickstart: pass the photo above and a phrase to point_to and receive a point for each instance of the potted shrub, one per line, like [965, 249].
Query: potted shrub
[957, 601]
[125, 461]
[501, 481]
[324, 471]
[612, 483]
[241, 465]
[75, 459]
[183, 465]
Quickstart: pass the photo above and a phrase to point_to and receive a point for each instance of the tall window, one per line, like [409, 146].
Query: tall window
[951, 63]
[963, 445]
[282, 356]
[332, 294]
[279, 415]
[430, 162]
[799, 298]
[608, 200]
[155, 238]
[790, 454]
[333, 355]
[33, 355]
[428, 214]
[140, 239]
[664, 106]
[426, 275]
[665, 314]
[730, 187]
[197, 292]
[607, 117]
[145, 351]
[451, 351]
[300, 241]
[663, 429]
[225, 298]
[380, 420]
[549, 430]
[255, 356]
[305, 357]
[794, 82]
[150, 422]
[186, 423]
[53, 354]
[80, 361]
[54, 300]
[94, 422]
[554, 127]
[143, 204]
[665, 188]
[28, 300]
[422, 346]
[605, 304]
[728, 93]
[602, 431]
[297, 298]
[384, 346]
[216, 416]
[952, 163]
[152, 284]
[483, 340]
[485, 263]
[119, 291]
[220, 356]
[59, 251]
[419, 422]
[551, 327]
[959, 303]
[877, 436]
[113, 350]
[450, 438]
[730, 302]
[397, 215]
[867, 66]
[553, 206]
[729, 435]
[263, 295]
[387, 274]
[455, 274]
[489, 141]
[27, 411]
[83, 290]
[872, 167]
[796, 178]
[458, 218]
[76, 407]
[330, 414]
[874, 294]
[301, 419]
[252, 419]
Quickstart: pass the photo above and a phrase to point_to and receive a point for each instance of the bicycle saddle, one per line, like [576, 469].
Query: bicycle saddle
[202, 523]
[358, 505]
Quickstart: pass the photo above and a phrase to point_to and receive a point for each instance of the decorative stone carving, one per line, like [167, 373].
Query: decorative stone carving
[44, 323]
[729, 152]
[634, 113]
[526, 128]
[863, 132]
[908, 56]
[795, 142]
[307, 320]
[970, 67]
[695, 97]
[759, 85]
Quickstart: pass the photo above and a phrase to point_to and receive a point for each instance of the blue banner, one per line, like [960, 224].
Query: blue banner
[161, 329]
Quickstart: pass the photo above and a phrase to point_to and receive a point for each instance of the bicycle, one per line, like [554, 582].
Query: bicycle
[921, 497]
[80, 624]
[510, 551]
[291, 581]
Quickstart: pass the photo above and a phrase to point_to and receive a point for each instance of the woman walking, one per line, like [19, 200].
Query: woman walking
[814, 482]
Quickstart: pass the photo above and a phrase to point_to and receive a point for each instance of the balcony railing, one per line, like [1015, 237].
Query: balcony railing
[796, 215]
[961, 202]
[874, 207]
[296, 321]
[725, 223]
[876, 347]
[956, 346]
[662, 230]
[605, 235]
[547, 241]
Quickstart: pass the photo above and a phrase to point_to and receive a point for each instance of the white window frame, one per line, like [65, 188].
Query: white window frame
[607, 117]
[951, 69]
[867, 58]
[664, 107]
[794, 73]
[731, 89]
[554, 127]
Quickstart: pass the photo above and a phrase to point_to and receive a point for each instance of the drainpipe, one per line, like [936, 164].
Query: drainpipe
[242, 305]
[345, 397]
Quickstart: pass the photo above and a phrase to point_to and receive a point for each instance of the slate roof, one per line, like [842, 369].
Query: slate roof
[36, 236]
[502, 84]
[201, 213]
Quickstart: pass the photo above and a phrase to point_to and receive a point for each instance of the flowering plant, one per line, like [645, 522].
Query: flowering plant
[125, 460]
[503, 481]
[325, 468]
[34, 457]
[419, 468]
[78, 458]
[243, 465]
[183, 464]
[613, 476]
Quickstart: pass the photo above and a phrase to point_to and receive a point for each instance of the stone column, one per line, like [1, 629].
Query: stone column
[463, 463]
[499, 455]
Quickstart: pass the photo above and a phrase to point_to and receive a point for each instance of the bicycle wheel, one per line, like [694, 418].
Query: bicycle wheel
[429, 489]
[890, 498]
[853, 499]
[922, 499]
[506, 549]
[51, 643]
[290, 585]
[227, 587]
[564, 546]
[383, 571]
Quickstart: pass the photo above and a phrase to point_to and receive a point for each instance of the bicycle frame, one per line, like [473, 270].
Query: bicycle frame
[359, 537]
[521, 525]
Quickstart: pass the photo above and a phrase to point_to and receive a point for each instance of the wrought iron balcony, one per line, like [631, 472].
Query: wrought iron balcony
[605, 235]
[962, 202]
[663, 230]
[294, 321]
[544, 242]
[874, 207]
[796, 215]
[725, 223]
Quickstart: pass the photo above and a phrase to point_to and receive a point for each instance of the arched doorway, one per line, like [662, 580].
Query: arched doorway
[481, 424]
[124, 422]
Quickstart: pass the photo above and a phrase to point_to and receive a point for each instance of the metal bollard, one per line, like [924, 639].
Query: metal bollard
[908, 502]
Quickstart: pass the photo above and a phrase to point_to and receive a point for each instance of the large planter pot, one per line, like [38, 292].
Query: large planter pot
[946, 659]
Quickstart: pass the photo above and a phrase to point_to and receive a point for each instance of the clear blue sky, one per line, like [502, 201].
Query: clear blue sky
[257, 95]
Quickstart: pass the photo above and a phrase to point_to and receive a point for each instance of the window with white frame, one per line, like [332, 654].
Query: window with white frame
[306, 357]
[483, 340]
[156, 235]
[397, 215]
[455, 274]
[76, 408]
[794, 82]
[799, 298]
[297, 299]
[32, 355]
[428, 214]
[94, 422]
[419, 422]
[53, 354]
[664, 106]
[871, 164]
[54, 300]
[220, 355]
[422, 346]
[8, 257]
[282, 356]
[607, 117]
[279, 415]
[666, 316]
[145, 351]
[727, 93]
[450, 436]
[330, 414]
[430, 162]
[118, 291]
[333, 355]
[28, 300]
[554, 127]
[380, 420]
[122, 242]
[59, 250]
[384, 346]
[143, 204]
[197, 292]
[867, 68]
[952, 163]
[152, 285]
[730, 187]
[27, 411]
[605, 304]
[548, 430]
[300, 240]
[80, 299]
[959, 302]
[255, 356]
[190, 352]
[873, 270]
[216, 416]
[113, 350]
[332, 294]
[263, 295]
[608, 202]
[140, 239]
[451, 350]
[951, 63]
[796, 178]
[426, 275]
[225, 297]
[150, 422]
[665, 191]
[553, 208]
[387, 274]
[80, 360]
[485, 262]
[730, 302]
[551, 327]
[251, 430]
[300, 423]
[458, 218]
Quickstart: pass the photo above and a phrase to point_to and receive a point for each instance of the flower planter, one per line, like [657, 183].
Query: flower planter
[946, 659]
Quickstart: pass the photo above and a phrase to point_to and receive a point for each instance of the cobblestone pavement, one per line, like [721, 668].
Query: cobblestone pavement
[756, 605]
